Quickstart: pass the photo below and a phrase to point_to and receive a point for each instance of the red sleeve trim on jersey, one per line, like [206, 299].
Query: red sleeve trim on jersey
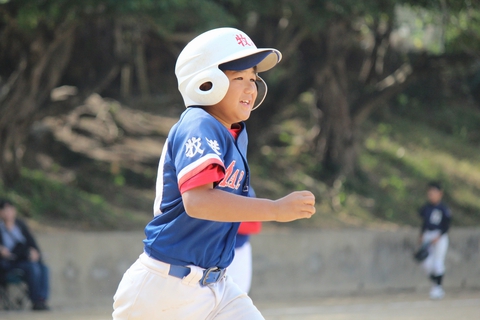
[250, 227]
[196, 167]
[212, 173]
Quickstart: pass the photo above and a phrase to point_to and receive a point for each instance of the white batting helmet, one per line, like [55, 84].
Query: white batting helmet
[203, 59]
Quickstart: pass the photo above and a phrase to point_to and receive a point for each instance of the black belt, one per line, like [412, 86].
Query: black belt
[210, 275]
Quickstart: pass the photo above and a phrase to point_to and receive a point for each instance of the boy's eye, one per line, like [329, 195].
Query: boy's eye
[242, 78]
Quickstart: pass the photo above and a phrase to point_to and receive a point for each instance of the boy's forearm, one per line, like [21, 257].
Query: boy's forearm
[218, 205]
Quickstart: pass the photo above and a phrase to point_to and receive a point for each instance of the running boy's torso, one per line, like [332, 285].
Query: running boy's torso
[195, 142]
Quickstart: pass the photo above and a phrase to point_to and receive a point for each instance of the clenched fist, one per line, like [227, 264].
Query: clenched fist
[296, 205]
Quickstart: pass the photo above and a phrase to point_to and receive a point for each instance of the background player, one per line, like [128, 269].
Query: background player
[202, 189]
[241, 267]
[436, 219]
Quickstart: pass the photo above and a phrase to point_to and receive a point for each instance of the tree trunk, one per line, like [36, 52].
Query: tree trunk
[31, 86]
[141, 63]
[335, 144]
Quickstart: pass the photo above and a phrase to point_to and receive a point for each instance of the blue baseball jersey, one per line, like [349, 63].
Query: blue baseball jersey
[195, 142]
[435, 217]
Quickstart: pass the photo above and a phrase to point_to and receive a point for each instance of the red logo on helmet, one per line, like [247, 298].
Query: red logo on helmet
[242, 40]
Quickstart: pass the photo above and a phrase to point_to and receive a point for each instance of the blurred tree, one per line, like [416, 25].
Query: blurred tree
[36, 47]
[343, 51]
[340, 50]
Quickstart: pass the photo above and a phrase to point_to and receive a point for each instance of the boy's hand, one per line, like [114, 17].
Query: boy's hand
[296, 205]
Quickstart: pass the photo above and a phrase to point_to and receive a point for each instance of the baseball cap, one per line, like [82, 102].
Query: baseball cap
[249, 61]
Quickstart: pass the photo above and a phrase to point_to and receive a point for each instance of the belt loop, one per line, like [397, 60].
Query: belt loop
[193, 278]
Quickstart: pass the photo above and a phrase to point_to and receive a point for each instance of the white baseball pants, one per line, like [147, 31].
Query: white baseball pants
[435, 262]
[241, 267]
[147, 292]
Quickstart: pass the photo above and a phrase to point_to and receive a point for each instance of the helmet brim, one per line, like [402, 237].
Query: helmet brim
[263, 59]
[254, 60]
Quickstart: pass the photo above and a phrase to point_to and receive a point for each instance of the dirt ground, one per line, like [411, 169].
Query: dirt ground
[462, 305]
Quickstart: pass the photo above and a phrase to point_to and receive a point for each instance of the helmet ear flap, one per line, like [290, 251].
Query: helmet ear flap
[204, 95]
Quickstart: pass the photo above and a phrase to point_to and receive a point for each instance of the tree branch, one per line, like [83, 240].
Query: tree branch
[400, 79]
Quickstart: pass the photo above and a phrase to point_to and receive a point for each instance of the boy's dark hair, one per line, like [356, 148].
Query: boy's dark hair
[4, 202]
[435, 184]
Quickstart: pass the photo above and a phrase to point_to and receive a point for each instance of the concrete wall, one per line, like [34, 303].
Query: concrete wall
[302, 264]
[289, 263]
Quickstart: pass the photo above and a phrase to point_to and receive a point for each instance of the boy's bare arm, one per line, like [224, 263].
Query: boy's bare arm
[207, 203]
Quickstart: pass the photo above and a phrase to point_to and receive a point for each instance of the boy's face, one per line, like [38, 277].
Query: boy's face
[434, 195]
[237, 104]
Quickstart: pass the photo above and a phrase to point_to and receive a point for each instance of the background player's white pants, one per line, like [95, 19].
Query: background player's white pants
[146, 291]
[241, 267]
[435, 262]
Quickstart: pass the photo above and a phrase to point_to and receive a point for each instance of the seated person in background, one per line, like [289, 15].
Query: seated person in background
[19, 250]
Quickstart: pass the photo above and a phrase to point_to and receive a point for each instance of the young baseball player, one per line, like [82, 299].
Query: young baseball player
[202, 189]
[241, 267]
[436, 219]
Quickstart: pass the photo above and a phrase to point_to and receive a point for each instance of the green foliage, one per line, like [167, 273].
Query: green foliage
[401, 160]
[403, 149]
[52, 202]
[463, 32]
[423, 29]
[164, 16]
[30, 14]
[396, 159]
[459, 21]
[461, 121]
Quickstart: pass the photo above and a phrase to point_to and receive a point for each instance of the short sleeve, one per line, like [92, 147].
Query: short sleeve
[199, 142]
[213, 173]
